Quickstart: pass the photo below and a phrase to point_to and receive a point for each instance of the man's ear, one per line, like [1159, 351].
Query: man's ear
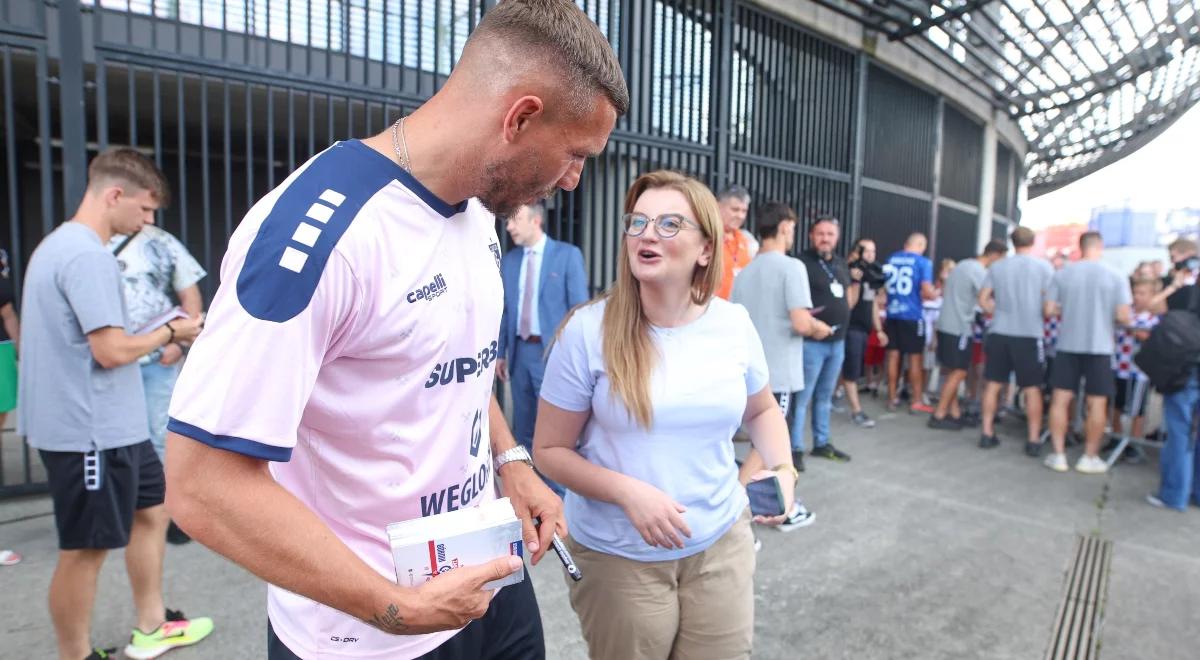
[521, 115]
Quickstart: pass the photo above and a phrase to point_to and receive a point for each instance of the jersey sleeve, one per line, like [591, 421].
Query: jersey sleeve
[926, 271]
[570, 380]
[248, 378]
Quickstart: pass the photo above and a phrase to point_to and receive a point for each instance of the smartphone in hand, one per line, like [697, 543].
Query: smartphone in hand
[766, 497]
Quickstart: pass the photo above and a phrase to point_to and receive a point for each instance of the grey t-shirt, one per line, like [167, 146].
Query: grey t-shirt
[66, 400]
[959, 297]
[1019, 286]
[769, 288]
[1089, 293]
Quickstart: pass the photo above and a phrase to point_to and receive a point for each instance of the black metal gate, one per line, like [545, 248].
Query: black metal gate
[229, 97]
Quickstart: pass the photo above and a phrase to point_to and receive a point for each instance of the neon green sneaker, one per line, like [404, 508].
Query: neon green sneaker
[176, 631]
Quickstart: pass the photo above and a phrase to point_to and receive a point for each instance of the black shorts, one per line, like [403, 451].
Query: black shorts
[1026, 356]
[1094, 370]
[1130, 391]
[856, 354]
[908, 337]
[96, 493]
[954, 351]
[510, 630]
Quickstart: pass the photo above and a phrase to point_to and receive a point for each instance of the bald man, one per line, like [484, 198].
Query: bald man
[344, 381]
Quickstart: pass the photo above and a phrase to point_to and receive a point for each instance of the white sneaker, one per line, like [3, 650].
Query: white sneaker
[1091, 465]
[799, 517]
[1056, 462]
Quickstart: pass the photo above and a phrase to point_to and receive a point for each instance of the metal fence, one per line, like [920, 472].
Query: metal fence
[229, 97]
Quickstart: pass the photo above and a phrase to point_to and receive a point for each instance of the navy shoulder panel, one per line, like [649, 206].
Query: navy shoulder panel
[286, 259]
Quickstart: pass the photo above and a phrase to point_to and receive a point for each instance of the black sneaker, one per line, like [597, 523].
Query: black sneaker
[101, 654]
[176, 536]
[945, 423]
[798, 460]
[1033, 449]
[797, 518]
[830, 452]
[971, 420]
[988, 441]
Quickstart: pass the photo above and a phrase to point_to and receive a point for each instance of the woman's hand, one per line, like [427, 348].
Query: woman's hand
[787, 483]
[657, 517]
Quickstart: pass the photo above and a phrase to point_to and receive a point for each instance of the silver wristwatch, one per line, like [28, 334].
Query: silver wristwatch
[517, 453]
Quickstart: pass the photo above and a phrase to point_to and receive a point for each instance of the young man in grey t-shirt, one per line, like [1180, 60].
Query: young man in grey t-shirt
[81, 406]
[774, 289]
[960, 296]
[1093, 299]
[1014, 293]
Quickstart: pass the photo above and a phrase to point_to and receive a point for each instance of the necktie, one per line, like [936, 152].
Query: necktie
[527, 304]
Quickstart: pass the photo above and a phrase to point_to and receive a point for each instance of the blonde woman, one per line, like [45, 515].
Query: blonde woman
[643, 390]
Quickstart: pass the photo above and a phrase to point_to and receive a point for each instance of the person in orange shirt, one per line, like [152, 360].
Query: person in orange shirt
[734, 203]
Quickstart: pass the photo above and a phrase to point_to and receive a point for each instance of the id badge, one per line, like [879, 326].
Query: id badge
[837, 289]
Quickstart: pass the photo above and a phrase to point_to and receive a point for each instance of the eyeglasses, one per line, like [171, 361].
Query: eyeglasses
[667, 225]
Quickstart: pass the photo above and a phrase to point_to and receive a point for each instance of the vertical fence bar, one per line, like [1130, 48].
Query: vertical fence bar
[181, 138]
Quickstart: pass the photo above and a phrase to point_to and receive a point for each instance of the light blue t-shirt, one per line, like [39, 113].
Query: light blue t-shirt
[905, 272]
[703, 376]
[67, 401]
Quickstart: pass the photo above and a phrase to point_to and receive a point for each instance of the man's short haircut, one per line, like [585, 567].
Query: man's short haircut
[734, 191]
[770, 216]
[1182, 246]
[1023, 237]
[1090, 239]
[914, 236]
[537, 210]
[995, 246]
[824, 217]
[558, 32]
[125, 165]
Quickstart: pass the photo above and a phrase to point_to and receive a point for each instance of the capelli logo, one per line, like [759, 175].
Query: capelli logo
[430, 291]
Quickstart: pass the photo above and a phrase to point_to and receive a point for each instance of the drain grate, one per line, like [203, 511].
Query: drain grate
[1076, 634]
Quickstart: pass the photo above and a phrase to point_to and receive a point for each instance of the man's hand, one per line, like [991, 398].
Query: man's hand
[881, 337]
[821, 330]
[171, 354]
[447, 602]
[856, 274]
[532, 498]
[187, 329]
[502, 370]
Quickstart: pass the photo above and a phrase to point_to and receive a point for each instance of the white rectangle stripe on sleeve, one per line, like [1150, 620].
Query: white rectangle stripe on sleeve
[306, 234]
[333, 197]
[320, 213]
[293, 259]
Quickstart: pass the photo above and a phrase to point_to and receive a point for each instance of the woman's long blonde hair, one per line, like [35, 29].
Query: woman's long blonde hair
[629, 355]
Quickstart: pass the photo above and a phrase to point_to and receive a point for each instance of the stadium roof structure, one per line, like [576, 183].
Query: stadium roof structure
[1088, 81]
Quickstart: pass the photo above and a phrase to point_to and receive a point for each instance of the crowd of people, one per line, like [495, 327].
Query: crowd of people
[343, 376]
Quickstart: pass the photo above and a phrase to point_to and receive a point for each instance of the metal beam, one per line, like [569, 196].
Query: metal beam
[927, 23]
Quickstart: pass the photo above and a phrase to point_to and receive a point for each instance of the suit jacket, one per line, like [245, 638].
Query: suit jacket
[562, 285]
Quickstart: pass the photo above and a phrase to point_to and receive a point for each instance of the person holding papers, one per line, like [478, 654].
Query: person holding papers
[643, 390]
[81, 406]
[344, 380]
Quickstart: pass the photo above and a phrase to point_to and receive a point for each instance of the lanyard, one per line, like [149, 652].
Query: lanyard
[828, 271]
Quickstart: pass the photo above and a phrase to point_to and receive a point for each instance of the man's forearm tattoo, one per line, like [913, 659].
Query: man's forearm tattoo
[390, 621]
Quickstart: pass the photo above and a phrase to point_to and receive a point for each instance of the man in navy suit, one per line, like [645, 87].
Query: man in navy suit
[543, 280]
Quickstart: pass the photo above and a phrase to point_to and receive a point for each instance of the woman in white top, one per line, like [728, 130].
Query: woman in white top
[642, 393]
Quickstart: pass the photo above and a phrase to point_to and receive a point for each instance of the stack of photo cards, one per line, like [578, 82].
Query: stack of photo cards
[424, 548]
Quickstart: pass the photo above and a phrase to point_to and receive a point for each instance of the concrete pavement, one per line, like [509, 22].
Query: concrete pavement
[924, 547]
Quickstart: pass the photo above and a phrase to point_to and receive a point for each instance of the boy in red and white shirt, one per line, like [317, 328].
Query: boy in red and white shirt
[1133, 387]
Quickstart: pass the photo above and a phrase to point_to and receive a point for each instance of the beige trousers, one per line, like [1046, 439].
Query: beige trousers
[697, 608]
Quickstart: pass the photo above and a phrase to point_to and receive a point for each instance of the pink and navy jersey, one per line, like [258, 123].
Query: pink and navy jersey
[1128, 345]
[352, 343]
